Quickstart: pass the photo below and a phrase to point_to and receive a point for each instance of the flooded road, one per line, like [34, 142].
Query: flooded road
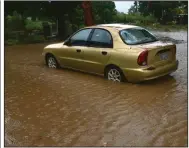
[45, 107]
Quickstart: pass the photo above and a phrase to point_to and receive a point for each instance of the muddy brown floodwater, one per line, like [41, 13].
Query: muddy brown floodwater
[45, 107]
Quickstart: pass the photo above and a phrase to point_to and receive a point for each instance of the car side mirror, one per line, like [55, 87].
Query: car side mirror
[67, 42]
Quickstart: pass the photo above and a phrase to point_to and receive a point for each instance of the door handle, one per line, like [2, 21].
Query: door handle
[78, 50]
[104, 53]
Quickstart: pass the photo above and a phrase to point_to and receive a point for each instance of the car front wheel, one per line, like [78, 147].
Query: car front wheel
[51, 62]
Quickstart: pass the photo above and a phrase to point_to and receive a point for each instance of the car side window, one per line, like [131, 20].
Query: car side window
[80, 38]
[101, 38]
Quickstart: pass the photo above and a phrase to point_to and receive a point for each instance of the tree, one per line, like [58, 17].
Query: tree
[134, 8]
[103, 11]
[162, 10]
[57, 10]
[63, 11]
[27, 8]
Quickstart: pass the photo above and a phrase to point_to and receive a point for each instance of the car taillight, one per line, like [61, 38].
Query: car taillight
[142, 58]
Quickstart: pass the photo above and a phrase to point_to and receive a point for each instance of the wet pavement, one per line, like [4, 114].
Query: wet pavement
[47, 107]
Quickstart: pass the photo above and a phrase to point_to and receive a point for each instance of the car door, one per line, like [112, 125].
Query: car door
[100, 46]
[72, 52]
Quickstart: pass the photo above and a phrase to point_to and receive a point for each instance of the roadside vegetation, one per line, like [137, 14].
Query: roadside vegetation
[36, 22]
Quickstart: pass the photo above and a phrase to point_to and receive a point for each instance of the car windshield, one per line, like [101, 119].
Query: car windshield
[135, 36]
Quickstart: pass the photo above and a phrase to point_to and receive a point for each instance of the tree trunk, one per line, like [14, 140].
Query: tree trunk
[63, 28]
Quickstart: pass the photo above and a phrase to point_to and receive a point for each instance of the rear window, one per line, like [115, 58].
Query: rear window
[135, 36]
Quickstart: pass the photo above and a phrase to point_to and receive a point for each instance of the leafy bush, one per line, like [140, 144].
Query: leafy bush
[81, 26]
[14, 22]
[167, 30]
[120, 17]
[11, 42]
[34, 39]
[33, 25]
[134, 19]
[138, 23]
[172, 23]
[156, 24]
[149, 20]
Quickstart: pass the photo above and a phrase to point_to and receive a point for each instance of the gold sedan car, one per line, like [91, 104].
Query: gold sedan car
[118, 52]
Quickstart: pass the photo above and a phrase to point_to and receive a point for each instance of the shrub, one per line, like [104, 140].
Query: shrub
[34, 39]
[120, 17]
[132, 18]
[135, 19]
[156, 24]
[138, 23]
[167, 30]
[81, 26]
[14, 22]
[171, 23]
[11, 42]
[149, 20]
[33, 25]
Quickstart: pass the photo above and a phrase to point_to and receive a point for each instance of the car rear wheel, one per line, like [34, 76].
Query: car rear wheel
[114, 74]
[52, 62]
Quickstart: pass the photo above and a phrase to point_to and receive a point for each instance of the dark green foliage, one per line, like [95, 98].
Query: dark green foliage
[33, 25]
[103, 11]
[36, 21]
[135, 19]
[14, 22]
[34, 39]
[11, 42]
[164, 11]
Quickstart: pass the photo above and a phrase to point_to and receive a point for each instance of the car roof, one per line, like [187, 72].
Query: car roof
[115, 27]
[123, 26]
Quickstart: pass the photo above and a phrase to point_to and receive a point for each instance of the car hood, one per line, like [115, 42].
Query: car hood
[56, 45]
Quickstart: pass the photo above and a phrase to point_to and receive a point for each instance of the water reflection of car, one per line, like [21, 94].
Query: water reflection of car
[116, 51]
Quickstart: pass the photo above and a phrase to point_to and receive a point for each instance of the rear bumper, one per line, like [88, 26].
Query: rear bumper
[137, 75]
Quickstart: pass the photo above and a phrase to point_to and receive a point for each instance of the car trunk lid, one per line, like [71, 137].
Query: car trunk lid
[159, 53]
